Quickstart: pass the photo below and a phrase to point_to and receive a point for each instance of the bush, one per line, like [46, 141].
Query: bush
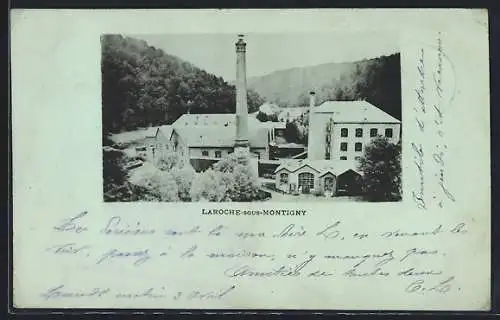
[184, 179]
[231, 179]
[209, 186]
[243, 185]
[381, 167]
[168, 161]
[160, 186]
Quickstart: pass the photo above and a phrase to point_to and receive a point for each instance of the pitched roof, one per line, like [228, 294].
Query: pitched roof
[207, 136]
[166, 130]
[218, 130]
[150, 132]
[354, 111]
[322, 166]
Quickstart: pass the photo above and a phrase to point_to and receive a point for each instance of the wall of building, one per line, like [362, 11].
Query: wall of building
[180, 147]
[317, 138]
[162, 145]
[263, 152]
[351, 154]
[293, 178]
[197, 152]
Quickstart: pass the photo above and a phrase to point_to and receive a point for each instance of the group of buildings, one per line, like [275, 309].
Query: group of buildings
[337, 136]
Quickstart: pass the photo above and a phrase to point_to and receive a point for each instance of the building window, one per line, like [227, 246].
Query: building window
[306, 179]
[358, 146]
[359, 132]
[343, 146]
[373, 132]
[344, 132]
[204, 153]
[218, 154]
[283, 178]
[357, 158]
[343, 158]
[388, 133]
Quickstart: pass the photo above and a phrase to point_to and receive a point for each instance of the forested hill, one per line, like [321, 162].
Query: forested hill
[376, 80]
[144, 86]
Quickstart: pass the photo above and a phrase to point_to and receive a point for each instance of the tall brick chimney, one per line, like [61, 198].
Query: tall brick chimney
[241, 142]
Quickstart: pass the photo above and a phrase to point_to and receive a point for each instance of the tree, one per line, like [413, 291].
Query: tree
[254, 100]
[168, 160]
[159, 186]
[381, 167]
[114, 177]
[244, 185]
[241, 182]
[261, 116]
[292, 132]
[184, 179]
[209, 186]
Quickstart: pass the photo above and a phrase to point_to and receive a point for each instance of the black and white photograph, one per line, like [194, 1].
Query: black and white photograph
[220, 161]
[251, 117]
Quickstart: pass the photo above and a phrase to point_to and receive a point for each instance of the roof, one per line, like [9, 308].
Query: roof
[166, 130]
[354, 111]
[292, 145]
[218, 130]
[150, 132]
[321, 166]
[216, 119]
[208, 136]
[273, 124]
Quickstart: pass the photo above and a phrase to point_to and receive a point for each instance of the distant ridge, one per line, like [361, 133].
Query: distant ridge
[377, 80]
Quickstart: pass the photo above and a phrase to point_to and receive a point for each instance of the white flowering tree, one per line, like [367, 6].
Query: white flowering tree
[235, 178]
[184, 178]
[160, 186]
[209, 186]
[168, 160]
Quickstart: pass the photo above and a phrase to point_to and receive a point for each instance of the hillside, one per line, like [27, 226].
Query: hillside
[376, 80]
[144, 86]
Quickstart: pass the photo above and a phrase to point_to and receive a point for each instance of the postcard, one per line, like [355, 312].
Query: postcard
[251, 159]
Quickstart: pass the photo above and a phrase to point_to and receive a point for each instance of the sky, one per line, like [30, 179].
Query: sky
[266, 53]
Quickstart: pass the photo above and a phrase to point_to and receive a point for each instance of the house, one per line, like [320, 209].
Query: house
[162, 142]
[212, 136]
[340, 130]
[318, 176]
[147, 148]
[292, 113]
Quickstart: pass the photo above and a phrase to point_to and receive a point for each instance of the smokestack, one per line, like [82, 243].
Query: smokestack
[312, 99]
[312, 103]
[241, 95]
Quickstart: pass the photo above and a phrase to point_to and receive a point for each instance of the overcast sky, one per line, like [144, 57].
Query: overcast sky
[270, 52]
